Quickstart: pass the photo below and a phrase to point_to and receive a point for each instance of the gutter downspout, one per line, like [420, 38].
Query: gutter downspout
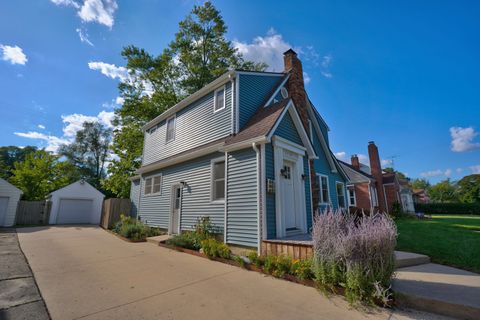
[259, 221]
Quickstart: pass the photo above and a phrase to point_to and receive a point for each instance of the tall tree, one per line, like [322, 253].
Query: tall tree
[444, 191]
[469, 189]
[199, 53]
[41, 173]
[90, 151]
[11, 154]
[420, 184]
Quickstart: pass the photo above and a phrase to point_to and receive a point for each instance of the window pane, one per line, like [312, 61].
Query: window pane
[340, 195]
[170, 129]
[219, 190]
[156, 184]
[324, 190]
[219, 99]
[148, 186]
[219, 170]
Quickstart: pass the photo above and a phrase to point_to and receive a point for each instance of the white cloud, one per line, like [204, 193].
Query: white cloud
[325, 64]
[306, 78]
[459, 170]
[66, 3]
[84, 36]
[41, 126]
[268, 49]
[363, 159]
[475, 169]
[462, 139]
[436, 173]
[340, 155]
[110, 70]
[72, 124]
[119, 100]
[386, 162]
[100, 11]
[14, 54]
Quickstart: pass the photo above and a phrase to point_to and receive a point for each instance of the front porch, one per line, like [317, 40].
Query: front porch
[297, 247]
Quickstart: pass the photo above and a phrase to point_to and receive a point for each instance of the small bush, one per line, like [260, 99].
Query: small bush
[130, 228]
[215, 249]
[257, 260]
[204, 228]
[188, 240]
[302, 269]
[270, 264]
[239, 260]
[448, 208]
[356, 253]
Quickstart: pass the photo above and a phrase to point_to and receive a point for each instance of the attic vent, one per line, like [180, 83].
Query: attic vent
[284, 92]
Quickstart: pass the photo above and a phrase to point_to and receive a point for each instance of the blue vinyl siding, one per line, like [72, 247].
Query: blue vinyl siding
[254, 90]
[286, 129]
[196, 124]
[155, 210]
[270, 197]
[323, 167]
[242, 201]
[134, 196]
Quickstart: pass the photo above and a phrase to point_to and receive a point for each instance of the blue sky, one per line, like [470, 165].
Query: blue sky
[404, 73]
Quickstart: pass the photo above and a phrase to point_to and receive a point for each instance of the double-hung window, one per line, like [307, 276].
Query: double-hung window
[218, 180]
[153, 185]
[170, 136]
[323, 188]
[219, 99]
[340, 194]
[351, 197]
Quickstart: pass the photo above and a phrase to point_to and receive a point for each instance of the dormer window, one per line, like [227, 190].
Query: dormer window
[170, 136]
[284, 93]
[219, 99]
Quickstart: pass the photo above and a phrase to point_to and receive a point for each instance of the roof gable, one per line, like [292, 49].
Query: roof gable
[72, 186]
[9, 185]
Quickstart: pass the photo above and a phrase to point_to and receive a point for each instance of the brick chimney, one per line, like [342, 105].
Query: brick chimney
[296, 91]
[355, 162]
[295, 85]
[376, 169]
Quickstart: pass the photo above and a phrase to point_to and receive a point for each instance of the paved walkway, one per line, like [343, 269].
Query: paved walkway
[19, 295]
[87, 273]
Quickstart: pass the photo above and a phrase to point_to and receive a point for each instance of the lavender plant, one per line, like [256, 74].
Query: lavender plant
[354, 252]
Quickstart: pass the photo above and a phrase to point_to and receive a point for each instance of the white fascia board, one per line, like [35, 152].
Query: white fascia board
[188, 156]
[191, 98]
[245, 144]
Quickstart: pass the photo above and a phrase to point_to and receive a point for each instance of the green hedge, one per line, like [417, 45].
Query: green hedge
[448, 208]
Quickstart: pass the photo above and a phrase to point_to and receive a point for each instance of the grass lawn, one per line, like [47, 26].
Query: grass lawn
[452, 240]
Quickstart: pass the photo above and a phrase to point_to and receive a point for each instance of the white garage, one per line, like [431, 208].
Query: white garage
[77, 203]
[9, 197]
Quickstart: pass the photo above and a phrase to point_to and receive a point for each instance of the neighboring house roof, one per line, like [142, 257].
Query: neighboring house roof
[388, 178]
[9, 185]
[83, 182]
[261, 123]
[354, 175]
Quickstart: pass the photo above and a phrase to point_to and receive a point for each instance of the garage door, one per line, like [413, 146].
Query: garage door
[3, 209]
[74, 211]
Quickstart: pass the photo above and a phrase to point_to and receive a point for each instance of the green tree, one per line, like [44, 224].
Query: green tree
[420, 184]
[11, 154]
[399, 174]
[41, 173]
[90, 151]
[444, 191]
[199, 53]
[469, 189]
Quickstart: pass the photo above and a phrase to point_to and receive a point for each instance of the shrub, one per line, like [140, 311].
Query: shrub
[213, 249]
[283, 266]
[204, 228]
[130, 228]
[302, 269]
[270, 263]
[448, 208]
[257, 260]
[356, 253]
[188, 240]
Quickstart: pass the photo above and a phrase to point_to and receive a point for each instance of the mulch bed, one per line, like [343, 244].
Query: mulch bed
[252, 267]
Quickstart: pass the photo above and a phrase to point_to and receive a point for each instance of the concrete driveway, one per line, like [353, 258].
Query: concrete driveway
[87, 273]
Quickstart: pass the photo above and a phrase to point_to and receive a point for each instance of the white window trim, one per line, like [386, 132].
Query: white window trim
[212, 163]
[174, 128]
[350, 204]
[320, 188]
[215, 98]
[344, 194]
[151, 194]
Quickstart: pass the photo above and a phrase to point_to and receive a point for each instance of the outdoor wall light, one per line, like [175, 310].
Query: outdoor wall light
[183, 183]
[304, 177]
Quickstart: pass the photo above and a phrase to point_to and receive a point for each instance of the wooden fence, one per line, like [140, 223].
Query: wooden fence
[33, 212]
[112, 209]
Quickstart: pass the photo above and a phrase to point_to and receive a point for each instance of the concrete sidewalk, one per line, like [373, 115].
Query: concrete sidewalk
[87, 273]
[434, 287]
[19, 295]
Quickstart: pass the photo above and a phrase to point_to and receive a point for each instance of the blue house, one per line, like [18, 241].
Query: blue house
[248, 150]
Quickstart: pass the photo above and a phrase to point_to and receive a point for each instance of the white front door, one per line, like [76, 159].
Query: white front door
[176, 207]
[288, 195]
